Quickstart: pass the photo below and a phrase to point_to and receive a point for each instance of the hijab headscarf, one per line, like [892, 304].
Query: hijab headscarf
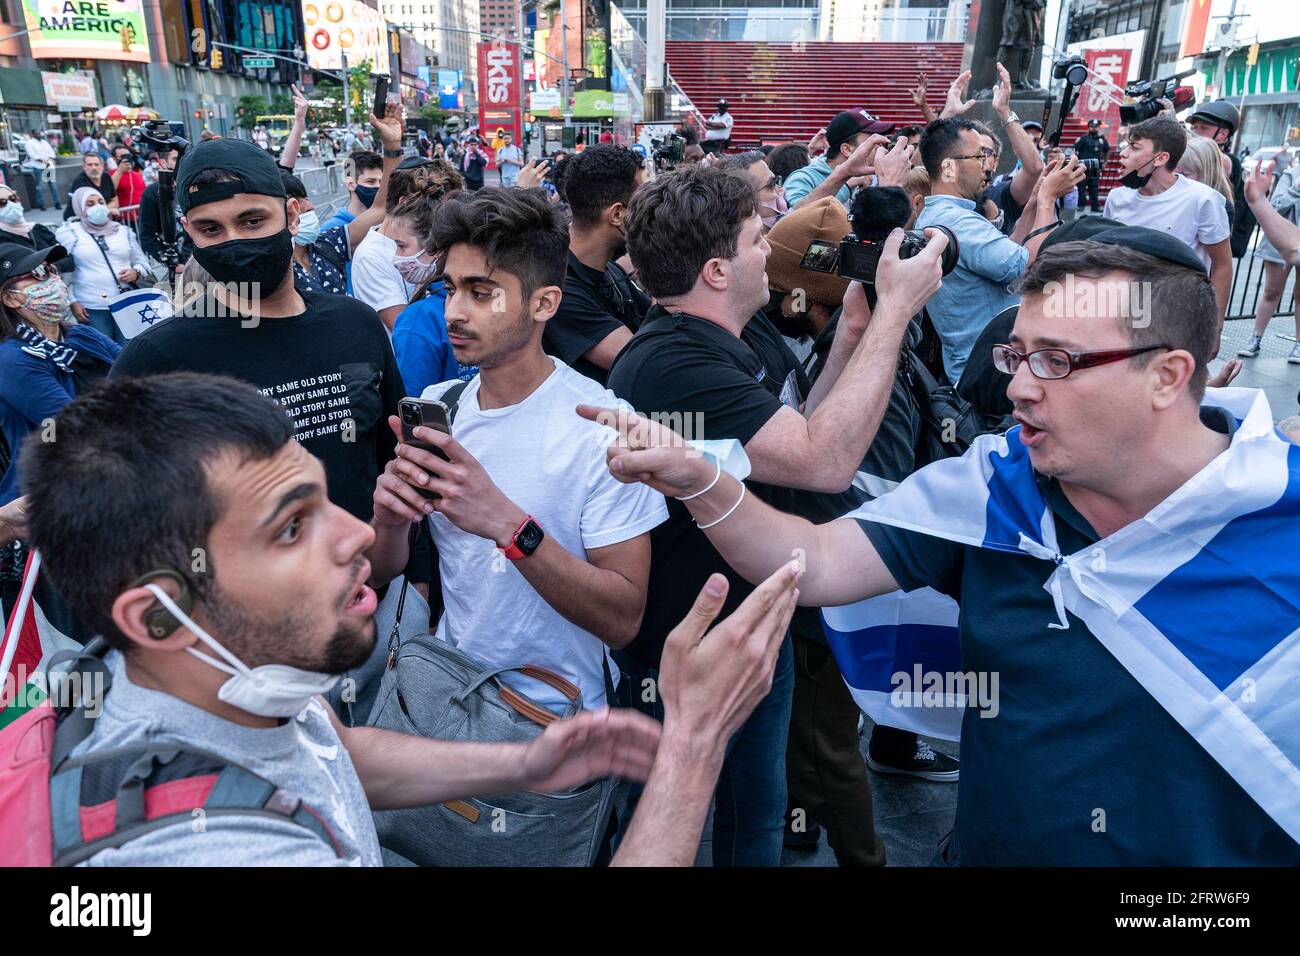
[79, 210]
[20, 228]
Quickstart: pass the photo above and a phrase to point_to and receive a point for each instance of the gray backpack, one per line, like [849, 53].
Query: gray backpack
[435, 691]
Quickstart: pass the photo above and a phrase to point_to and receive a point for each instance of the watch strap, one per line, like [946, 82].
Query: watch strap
[393, 153]
[513, 551]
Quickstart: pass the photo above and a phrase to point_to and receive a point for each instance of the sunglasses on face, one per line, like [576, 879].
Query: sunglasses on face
[1050, 364]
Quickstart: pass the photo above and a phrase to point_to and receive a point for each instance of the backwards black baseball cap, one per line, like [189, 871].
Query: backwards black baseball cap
[253, 169]
[16, 260]
[1153, 242]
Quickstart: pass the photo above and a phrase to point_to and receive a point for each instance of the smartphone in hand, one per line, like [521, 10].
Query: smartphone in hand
[414, 412]
[381, 96]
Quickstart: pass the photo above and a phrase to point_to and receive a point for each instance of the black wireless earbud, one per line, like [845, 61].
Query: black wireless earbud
[158, 621]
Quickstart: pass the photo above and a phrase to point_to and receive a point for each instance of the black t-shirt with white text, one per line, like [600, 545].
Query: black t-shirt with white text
[331, 368]
[708, 384]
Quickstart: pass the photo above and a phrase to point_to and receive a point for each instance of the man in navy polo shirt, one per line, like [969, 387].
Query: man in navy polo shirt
[1085, 762]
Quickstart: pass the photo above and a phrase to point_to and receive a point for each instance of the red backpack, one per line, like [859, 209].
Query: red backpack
[58, 811]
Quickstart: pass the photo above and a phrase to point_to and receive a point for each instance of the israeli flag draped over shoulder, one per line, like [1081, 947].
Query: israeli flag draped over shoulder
[1199, 600]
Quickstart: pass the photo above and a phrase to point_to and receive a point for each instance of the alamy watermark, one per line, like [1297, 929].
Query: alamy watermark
[1088, 299]
[937, 689]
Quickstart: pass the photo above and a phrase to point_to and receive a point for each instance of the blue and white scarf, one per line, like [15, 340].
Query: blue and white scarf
[60, 354]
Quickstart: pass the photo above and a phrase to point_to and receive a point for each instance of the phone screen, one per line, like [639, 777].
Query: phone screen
[820, 256]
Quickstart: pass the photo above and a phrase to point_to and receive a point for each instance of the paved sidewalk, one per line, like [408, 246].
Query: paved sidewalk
[1270, 371]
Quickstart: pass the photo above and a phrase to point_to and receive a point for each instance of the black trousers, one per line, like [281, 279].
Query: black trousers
[1089, 186]
[825, 772]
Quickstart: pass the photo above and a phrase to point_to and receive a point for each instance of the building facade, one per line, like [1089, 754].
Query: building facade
[178, 57]
[501, 18]
[448, 28]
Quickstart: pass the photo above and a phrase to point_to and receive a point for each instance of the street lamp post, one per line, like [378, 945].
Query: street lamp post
[347, 96]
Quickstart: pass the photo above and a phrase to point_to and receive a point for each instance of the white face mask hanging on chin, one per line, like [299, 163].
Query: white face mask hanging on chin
[269, 690]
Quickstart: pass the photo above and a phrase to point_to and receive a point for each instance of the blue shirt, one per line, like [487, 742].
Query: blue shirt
[424, 356]
[807, 178]
[974, 292]
[33, 389]
[341, 218]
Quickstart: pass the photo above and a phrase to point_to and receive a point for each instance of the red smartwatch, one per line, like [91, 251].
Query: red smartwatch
[526, 539]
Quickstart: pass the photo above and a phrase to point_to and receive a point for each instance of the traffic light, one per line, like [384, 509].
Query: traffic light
[216, 58]
[127, 35]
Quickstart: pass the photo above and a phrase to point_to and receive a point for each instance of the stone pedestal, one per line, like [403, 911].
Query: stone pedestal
[983, 40]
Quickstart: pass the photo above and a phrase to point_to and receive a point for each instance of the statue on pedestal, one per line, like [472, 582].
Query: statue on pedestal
[1022, 35]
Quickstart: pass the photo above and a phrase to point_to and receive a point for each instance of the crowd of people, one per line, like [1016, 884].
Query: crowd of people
[649, 443]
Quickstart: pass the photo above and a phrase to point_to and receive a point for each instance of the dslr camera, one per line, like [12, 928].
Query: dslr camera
[163, 135]
[1146, 92]
[1074, 70]
[856, 259]
[669, 151]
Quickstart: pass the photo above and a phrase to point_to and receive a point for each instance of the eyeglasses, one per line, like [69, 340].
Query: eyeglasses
[774, 183]
[1052, 364]
[982, 155]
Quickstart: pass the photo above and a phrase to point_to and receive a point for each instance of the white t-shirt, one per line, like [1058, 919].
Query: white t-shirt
[1191, 211]
[720, 133]
[551, 463]
[375, 280]
[510, 154]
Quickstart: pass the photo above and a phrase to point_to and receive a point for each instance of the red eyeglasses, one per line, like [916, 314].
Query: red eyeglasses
[1058, 363]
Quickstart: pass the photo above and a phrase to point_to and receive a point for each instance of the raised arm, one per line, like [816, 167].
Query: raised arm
[1031, 161]
[1283, 233]
[293, 141]
[822, 452]
[389, 131]
[710, 684]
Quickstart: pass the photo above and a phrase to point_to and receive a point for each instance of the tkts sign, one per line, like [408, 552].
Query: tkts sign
[1104, 92]
[500, 84]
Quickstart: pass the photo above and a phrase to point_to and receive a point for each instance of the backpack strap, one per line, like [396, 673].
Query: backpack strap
[330, 255]
[110, 798]
[451, 398]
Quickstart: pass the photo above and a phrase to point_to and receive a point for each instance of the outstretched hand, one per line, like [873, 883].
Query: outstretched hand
[956, 103]
[594, 744]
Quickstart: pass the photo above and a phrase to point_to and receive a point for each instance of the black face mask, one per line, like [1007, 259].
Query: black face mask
[1135, 180]
[264, 261]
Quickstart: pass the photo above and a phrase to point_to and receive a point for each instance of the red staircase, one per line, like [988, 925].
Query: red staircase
[1110, 172]
[787, 91]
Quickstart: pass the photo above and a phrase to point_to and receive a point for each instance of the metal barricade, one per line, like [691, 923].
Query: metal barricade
[1248, 285]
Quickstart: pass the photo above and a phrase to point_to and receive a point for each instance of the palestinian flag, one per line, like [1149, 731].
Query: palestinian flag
[30, 641]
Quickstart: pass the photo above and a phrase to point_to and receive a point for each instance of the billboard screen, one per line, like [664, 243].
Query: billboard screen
[335, 27]
[500, 85]
[76, 29]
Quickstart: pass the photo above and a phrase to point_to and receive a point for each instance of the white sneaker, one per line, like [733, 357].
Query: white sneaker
[1252, 347]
